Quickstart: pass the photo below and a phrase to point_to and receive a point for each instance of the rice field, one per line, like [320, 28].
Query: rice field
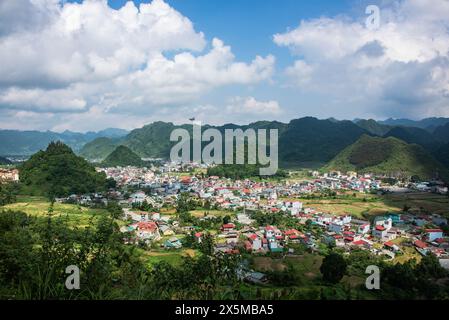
[38, 207]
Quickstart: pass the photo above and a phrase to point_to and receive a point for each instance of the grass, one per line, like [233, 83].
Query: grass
[354, 206]
[306, 266]
[173, 257]
[420, 202]
[214, 213]
[409, 253]
[38, 207]
[378, 205]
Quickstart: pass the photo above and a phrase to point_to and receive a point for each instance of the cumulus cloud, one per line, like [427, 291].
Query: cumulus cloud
[71, 57]
[399, 69]
[249, 105]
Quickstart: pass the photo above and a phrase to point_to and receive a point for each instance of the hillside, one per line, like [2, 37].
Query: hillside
[312, 140]
[123, 156]
[99, 148]
[57, 171]
[373, 127]
[442, 154]
[306, 140]
[415, 135]
[387, 155]
[441, 133]
[151, 141]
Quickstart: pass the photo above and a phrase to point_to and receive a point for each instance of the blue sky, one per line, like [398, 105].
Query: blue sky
[248, 25]
[94, 64]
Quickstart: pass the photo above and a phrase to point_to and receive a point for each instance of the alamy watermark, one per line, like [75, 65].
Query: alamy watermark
[255, 142]
[73, 280]
[373, 20]
[373, 281]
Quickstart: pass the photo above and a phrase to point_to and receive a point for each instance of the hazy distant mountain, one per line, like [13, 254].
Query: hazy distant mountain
[428, 123]
[15, 142]
[387, 156]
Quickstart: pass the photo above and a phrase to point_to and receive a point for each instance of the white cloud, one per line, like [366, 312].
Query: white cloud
[77, 56]
[400, 69]
[249, 105]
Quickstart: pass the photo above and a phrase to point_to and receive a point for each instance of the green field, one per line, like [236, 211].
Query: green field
[38, 207]
[213, 213]
[367, 205]
[173, 257]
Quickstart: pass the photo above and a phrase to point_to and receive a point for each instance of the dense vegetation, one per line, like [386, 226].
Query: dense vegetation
[301, 140]
[373, 127]
[443, 154]
[99, 148]
[8, 193]
[387, 156]
[57, 172]
[442, 133]
[415, 135]
[310, 139]
[245, 171]
[123, 156]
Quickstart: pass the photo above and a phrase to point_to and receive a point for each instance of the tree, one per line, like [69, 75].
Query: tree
[333, 268]
[430, 268]
[114, 209]
[206, 246]
[226, 219]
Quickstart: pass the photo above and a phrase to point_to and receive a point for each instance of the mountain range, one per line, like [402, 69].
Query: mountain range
[26, 143]
[305, 142]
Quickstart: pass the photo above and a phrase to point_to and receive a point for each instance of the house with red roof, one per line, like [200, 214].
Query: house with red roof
[389, 245]
[420, 244]
[228, 227]
[255, 242]
[198, 237]
[147, 230]
[380, 231]
[361, 243]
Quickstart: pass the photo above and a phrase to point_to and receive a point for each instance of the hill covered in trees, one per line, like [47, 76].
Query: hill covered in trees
[99, 148]
[123, 156]
[303, 140]
[373, 127]
[415, 135]
[57, 172]
[387, 156]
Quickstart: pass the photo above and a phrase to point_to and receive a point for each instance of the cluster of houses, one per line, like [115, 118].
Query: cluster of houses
[9, 175]
[158, 187]
[152, 227]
